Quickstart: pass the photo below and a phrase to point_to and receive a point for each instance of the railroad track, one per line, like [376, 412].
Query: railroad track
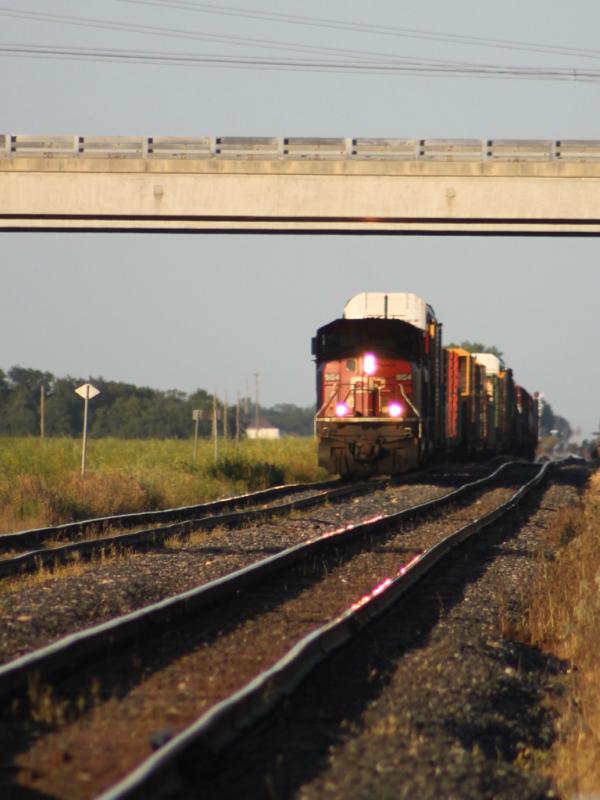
[26, 551]
[322, 592]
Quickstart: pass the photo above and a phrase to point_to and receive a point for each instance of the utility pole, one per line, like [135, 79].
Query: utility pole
[215, 427]
[42, 412]
[540, 399]
[225, 420]
[237, 418]
[256, 379]
[196, 414]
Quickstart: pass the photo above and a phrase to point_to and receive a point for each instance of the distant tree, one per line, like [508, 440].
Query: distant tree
[122, 409]
[478, 347]
[64, 410]
[291, 419]
[20, 400]
[563, 426]
[4, 387]
[29, 379]
[549, 421]
[18, 417]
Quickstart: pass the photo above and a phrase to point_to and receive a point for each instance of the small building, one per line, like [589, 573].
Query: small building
[264, 431]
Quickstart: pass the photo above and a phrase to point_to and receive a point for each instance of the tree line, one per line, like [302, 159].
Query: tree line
[127, 411]
[124, 410]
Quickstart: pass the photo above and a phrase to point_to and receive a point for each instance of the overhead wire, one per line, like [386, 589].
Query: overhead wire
[365, 27]
[331, 59]
[314, 65]
[177, 33]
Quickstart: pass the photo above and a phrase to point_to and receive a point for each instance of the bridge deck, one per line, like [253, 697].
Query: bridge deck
[299, 185]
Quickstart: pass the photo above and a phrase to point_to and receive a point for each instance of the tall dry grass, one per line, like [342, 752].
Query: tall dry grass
[563, 618]
[40, 481]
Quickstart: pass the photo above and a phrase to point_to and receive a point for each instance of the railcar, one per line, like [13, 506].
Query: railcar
[390, 397]
[466, 403]
[499, 405]
[526, 423]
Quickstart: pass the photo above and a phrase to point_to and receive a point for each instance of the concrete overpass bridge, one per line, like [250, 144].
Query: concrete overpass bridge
[299, 185]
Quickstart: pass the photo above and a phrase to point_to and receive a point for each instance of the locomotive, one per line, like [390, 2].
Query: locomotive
[390, 397]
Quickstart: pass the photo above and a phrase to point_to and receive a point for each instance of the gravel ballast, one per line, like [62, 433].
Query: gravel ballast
[432, 702]
[173, 679]
[38, 609]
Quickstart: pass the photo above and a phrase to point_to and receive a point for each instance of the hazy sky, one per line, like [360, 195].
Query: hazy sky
[187, 311]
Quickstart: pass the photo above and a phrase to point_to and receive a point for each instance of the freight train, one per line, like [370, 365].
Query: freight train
[390, 397]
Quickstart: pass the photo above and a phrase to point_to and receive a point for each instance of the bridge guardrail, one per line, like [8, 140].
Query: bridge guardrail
[297, 148]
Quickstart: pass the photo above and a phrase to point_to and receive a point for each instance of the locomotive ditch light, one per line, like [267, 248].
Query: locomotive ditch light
[369, 363]
[395, 409]
[341, 409]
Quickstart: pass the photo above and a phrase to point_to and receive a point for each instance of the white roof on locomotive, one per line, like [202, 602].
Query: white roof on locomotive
[492, 363]
[389, 305]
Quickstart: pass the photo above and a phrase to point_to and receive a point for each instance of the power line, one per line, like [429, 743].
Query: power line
[362, 27]
[311, 65]
[354, 61]
[360, 56]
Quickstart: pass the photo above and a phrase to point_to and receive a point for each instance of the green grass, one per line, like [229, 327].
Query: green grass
[40, 481]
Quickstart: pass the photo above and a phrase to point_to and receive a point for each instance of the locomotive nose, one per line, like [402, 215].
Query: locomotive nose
[341, 409]
[369, 364]
[395, 409]
[366, 451]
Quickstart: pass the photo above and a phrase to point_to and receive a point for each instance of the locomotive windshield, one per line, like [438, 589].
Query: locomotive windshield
[348, 338]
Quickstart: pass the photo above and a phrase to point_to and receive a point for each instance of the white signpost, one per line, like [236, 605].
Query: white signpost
[87, 391]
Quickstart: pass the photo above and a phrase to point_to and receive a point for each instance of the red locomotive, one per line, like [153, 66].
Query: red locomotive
[389, 396]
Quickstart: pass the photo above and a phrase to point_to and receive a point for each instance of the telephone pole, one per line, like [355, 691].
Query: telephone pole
[215, 427]
[42, 412]
[256, 379]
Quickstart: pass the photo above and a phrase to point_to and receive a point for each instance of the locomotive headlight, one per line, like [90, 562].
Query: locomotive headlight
[369, 363]
[341, 409]
[395, 409]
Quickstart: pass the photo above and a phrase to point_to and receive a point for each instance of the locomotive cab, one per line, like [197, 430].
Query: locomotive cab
[378, 387]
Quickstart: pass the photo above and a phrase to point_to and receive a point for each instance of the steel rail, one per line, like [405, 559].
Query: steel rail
[65, 654]
[227, 720]
[87, 548]
[39, 535]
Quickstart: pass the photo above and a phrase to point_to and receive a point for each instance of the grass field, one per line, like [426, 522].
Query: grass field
[40, 481]
[563, 618]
